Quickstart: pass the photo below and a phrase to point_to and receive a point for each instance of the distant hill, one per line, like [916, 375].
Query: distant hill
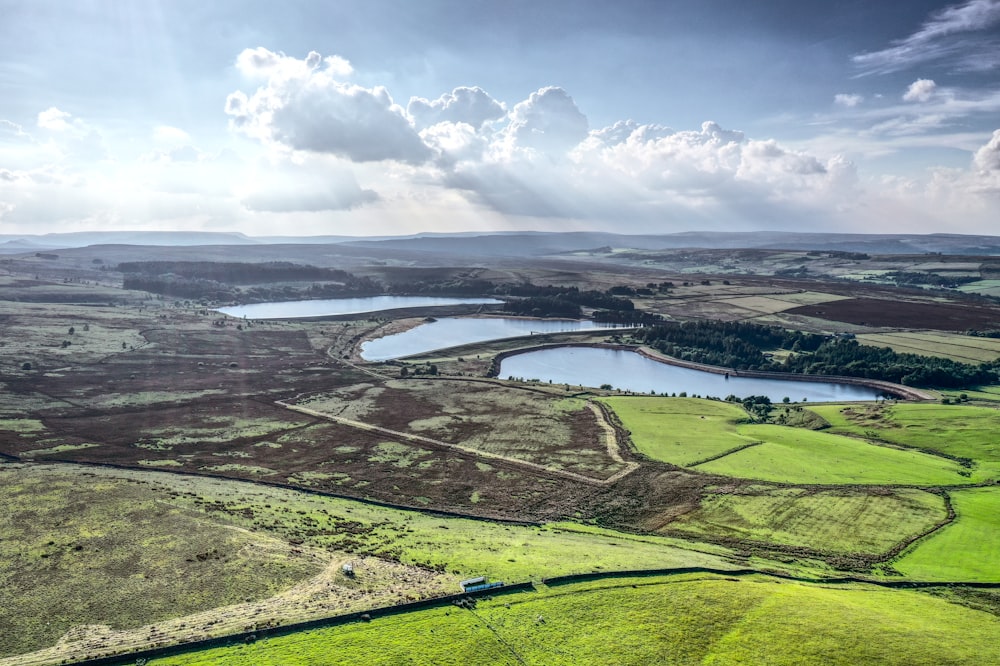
[527, 244]
[540, 244]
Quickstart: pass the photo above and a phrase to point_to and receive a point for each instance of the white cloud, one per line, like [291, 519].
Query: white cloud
[920, 90]
[849, 100]
[548, 122]
[304, 107]
[472, 106]
[957, 34]
[54, 119]
[987, 158]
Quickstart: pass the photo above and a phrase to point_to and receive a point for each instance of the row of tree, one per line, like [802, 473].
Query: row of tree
[746, 346]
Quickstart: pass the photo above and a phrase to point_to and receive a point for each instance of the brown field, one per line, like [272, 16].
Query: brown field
[905, 314]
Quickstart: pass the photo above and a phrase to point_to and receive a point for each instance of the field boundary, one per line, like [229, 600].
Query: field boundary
[251, 636]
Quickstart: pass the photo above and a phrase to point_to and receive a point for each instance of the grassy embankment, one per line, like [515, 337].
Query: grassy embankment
[683, 620]
[130, 548]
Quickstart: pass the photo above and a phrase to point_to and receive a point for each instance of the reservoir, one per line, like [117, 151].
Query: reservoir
[630, 371]
[454, 331]
[345, 306]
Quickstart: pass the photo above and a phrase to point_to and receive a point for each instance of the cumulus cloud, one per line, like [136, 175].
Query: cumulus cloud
[958, 34]
[920, 90]
[54, 119]
[472, 106]
[303, 106]
[987, 158]
[547, 122]
[849, 100]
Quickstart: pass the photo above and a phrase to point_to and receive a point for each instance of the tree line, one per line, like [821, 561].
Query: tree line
[745, 346]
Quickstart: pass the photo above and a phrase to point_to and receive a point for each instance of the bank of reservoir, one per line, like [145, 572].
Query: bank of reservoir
[345, 306]
[630, 371]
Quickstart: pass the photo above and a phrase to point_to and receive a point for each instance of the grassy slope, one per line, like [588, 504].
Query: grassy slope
[106, 551]
[681, 431]
[641, 621]
[966, 550]
[837, 521]
[792, 455]
[959, 430]
[139, 529]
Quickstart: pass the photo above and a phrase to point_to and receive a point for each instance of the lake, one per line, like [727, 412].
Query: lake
[345, 306]
[454, 331]
[630, 371]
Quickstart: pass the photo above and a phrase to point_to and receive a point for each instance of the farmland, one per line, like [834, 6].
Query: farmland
[837, 521]
[794, 455]
[976, 534]
[680, 621]
[963, 348]
[170, 473]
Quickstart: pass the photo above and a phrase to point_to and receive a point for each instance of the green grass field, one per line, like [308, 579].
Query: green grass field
[651, 621]
[793, 455]
[966, 550]
[681, 431]
[964, 431]
[835, 521]
[961, 348]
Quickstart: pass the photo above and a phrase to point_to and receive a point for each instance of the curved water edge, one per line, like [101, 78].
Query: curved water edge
[455, 331]
[642, 371]
[330, 307]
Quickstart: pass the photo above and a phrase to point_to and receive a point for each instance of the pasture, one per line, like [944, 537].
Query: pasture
[962, 431]
[797, 456]
[961, 348]
[843, 521]
[966, 550]
[682, 620]
[680, 431]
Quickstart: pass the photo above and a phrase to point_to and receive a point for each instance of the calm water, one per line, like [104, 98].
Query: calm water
[453, 331]
[345, 306]
[627, 370]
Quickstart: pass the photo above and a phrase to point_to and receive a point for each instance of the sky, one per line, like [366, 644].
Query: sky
[377, 117]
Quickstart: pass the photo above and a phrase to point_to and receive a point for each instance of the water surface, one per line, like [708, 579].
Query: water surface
[630, 371]
[345, 306]
[454, 331]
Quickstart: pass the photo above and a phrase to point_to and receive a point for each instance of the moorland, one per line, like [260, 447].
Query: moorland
[171, 474]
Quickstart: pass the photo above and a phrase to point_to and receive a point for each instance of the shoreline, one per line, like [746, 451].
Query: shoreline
[903, 392]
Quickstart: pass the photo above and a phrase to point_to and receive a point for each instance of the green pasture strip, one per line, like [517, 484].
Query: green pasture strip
[25, 427]
[681, 431]
[963, 348]
[759, 304]
[834, 521]
[794, 455]
[678, 620]
[809, 298]
[968, 549]
[986, 287]
[979, 394]
[964, 431]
